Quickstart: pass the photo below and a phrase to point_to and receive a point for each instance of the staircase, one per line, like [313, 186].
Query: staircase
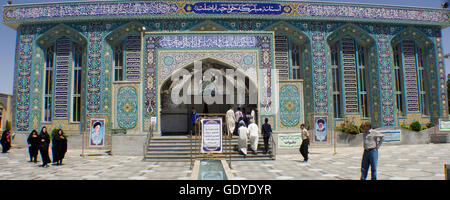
[178, 148]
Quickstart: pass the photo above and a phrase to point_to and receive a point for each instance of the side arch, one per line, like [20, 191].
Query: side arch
[359, 36]
[131, 28]
[430, 84]
[60, 30]
[293, 54]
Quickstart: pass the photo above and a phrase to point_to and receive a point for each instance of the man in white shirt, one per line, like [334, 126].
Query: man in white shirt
[231, 121]
[371, 142]
[305, 143]
[243, 138]
[253, 135]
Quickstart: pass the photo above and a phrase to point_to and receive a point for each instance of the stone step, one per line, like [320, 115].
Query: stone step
[234, 157]
[156, 144]
[178, 148]
[188, 151]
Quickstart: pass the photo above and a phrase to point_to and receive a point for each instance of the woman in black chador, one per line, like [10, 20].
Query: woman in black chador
[59, 147]
[6, 141]
[44, 141]
[33, 145]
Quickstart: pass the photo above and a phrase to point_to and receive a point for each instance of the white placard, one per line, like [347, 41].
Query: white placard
[391, 136]
[211, 135]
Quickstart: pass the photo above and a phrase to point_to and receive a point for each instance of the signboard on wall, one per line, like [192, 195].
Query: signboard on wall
[97, 133]
[211, 135]
[391, 135]
[444, 125]
[320, 129]
[289, 140]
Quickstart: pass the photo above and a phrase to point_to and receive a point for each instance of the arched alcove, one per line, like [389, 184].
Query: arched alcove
[353, 81]
[206, 96]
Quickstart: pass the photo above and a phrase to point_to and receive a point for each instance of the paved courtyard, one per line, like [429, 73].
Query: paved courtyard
[405, 162]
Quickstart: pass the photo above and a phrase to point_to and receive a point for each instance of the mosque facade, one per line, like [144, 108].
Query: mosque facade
[115, 60]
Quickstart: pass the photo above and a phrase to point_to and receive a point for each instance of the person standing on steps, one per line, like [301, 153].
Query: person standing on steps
[194, 117]
[266, 132]
[253, 135]
[243, 139]
[231, 121]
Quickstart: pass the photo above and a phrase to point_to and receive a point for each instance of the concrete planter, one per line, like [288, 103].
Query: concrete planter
[407, 137]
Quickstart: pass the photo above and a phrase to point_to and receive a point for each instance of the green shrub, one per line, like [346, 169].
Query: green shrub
[405, 126]
[415, 126]
[349, 127]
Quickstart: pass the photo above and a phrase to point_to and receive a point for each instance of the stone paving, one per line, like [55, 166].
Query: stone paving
[405, 162]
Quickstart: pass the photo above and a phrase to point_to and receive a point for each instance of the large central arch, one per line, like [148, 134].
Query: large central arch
[179, 112]
[248, 52]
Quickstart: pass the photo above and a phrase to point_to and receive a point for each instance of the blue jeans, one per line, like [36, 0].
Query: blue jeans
[370, 158]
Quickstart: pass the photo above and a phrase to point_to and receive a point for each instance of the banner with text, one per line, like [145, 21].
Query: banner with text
[289, 140]
[211, 135]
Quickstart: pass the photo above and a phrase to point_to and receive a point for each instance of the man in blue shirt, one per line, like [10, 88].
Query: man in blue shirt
[194, 117]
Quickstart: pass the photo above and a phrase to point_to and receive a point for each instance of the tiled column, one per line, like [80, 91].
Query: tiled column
[385, 77]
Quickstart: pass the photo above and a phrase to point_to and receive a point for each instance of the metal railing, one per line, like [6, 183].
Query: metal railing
[273, 147]
[147, 140]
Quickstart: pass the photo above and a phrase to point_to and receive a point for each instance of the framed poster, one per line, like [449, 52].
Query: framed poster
[211, 135]
[289, 140]
[444, 125]
[391, 136]
[320, 129]
[97, 133]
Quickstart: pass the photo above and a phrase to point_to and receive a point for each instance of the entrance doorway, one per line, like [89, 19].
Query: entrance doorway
[176, 117]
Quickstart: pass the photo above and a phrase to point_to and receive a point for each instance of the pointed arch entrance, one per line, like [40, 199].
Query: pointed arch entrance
[208, 85]
[248, 52]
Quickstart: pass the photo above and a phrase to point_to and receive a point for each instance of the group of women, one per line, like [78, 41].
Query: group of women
[39, 143]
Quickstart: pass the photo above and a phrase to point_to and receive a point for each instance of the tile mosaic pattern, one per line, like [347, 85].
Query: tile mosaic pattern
[208, 41]
[94, 67]
[97, 93]
[386, 76]
[370, 12]
[23, 74]
[201, 9]
[443, 107]
[127, 107]
[291, 111]
[155, 42]
[319, 66]
[89, 9]
[174, 60]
